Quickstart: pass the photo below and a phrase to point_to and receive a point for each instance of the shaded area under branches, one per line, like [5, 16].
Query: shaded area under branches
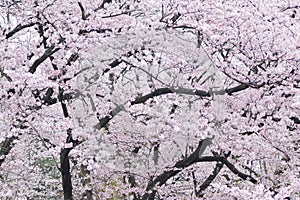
[188, 161]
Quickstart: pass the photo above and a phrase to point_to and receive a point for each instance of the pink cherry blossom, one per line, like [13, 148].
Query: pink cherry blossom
[115, 99]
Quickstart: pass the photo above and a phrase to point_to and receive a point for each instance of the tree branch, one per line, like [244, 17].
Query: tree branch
[238, 88]
[209, 179]
[116, 15]
[6, 146]
[49, 52]
[162, 91]
[84, 15]
[84, 31]
[104, 120]
[18, 28]
[64, 155]
[66, 173]
[184, 163]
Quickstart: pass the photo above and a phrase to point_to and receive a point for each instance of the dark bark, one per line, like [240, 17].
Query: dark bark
[64, 108]
[209, 179]
[18, 28]
[182, 164]
[49, 52]
[72, 58]
[48, 99]
[162, 91]
[238, 88]
[84, 31]
[85, 15]
[66, 174]
[64, 156]
[104, 121]
[102, 4]
[115, 63]
[296, 120]
[6, 146]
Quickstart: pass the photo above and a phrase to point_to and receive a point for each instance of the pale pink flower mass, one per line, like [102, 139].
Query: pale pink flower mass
[115, 99]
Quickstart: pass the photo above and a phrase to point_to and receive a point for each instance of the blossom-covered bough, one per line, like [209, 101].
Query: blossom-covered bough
[120, 99]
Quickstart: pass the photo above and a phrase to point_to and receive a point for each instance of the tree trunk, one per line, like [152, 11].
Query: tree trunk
[66, 175]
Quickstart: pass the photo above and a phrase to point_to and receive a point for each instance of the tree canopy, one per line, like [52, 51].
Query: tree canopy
[115, 99]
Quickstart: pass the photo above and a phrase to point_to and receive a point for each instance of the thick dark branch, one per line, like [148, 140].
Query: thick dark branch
[103, 121]
[296, 120]
[64, 155]
[290, 7]
[238, 88]
[72, 58]
[49, 52]
[209, 179]
[115, 63]
[102, 5]
[66, 115]
[66, 174]
[200, 93]
[6, 146]
[46, 140]
[8, 143]
[182, 164]
[63, 104]
[84, 31]
[190, 159]
[48, 98]
[2, 73]
[183, 27]
[247, 133]
[84, 16]
[236, 171]
[162, 91]
[18, 28]
[228, 164]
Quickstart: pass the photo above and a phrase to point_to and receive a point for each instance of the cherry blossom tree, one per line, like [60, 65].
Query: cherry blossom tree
[121, 99]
